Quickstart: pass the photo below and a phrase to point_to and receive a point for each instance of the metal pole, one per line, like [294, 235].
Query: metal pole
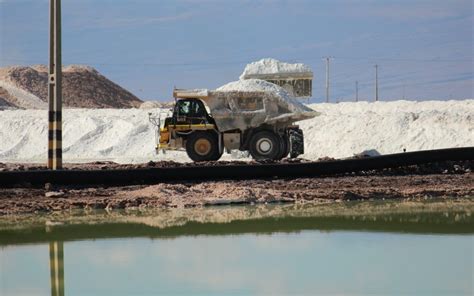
[55, 87]
[376, 83]
[327, 79]
[404, 84]
[357, 91]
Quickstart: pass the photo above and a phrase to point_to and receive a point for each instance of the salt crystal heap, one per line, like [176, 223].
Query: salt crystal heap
[258, 85]
[250, 103]
[296, 78]
[272, 66]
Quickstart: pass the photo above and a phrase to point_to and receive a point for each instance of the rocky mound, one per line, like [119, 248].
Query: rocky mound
[83, 87]
[6, 99]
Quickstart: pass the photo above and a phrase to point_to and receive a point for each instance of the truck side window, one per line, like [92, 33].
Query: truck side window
[199, 110]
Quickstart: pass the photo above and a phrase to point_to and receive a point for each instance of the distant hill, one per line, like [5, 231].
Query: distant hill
[83, 87]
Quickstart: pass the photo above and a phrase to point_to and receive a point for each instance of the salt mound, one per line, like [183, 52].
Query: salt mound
[40, 68]
[5, 100]
[273, 66]
[150, 105]
[349, 128]
[156, 105]
[14, 96]
[79, 68]
[255, 85]
[345, 129]
[83, 87]
[250, 85]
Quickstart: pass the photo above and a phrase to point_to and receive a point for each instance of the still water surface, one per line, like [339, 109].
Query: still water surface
[432, 254]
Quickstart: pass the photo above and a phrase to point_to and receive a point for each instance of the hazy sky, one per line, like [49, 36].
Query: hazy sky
[424, 48]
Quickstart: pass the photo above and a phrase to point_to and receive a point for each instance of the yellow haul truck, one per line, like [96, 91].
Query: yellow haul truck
[205, 123]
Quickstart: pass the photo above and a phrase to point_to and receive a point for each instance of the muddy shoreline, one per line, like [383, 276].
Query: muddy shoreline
[447, 180]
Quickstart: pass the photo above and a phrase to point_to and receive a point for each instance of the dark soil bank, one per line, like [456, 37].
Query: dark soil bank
[450, 180]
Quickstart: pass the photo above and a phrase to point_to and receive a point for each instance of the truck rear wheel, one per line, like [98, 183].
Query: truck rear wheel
[265, 145]
[202, 146]
[296, 141]
[284, 148]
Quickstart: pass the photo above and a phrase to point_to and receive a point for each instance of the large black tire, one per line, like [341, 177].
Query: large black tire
[296, 141]
[284, 147]
[265, 145]
[202, 146]
[218, 154]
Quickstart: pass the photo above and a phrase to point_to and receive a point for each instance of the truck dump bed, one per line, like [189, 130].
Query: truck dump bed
[247, 109]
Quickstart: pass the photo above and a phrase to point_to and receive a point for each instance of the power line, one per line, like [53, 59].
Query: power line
[433, 60]
[204, 63]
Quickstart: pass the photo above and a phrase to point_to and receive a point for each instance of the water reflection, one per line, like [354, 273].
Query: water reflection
[240, 251]
[56, 266]
[395, 217]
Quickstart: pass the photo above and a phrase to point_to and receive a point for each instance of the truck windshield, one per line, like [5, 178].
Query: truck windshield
[190, 108]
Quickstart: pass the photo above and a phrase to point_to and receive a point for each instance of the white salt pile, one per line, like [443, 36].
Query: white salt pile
[79, 68]
[349, 128]
[262, 85]
[123, 135]
[254, 85]
[272, 66]
[345, 129]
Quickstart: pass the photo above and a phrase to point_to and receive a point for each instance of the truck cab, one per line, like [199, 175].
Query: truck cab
[191, 127]
[190, 111]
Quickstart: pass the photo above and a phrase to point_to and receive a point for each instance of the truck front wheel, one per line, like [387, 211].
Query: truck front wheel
[265, 145]
[202, 146]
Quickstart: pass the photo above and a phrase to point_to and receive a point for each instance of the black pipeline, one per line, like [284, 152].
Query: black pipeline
[236, 172]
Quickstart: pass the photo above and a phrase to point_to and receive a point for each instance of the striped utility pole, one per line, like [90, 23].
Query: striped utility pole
[55, 87]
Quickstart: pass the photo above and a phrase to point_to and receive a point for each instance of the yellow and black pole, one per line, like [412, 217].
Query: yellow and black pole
[55, 87]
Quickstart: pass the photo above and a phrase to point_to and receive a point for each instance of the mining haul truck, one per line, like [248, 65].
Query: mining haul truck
[205, 123]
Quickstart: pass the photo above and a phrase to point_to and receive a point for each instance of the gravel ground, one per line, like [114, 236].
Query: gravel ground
[448, 180]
